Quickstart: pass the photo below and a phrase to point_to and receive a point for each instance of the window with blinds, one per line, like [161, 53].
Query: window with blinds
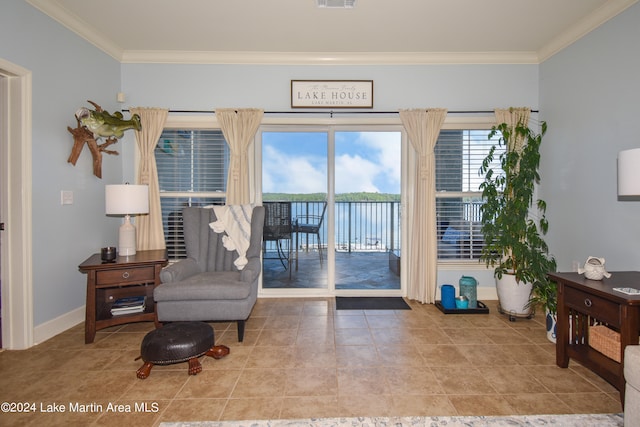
[192, 171]
[459, 155]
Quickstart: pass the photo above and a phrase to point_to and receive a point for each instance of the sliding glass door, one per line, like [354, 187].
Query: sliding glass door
[333, 204]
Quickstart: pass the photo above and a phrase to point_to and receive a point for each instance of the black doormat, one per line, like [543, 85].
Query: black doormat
[371, 303]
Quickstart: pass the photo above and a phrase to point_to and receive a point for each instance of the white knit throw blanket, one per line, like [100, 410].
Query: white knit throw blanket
[235, 220]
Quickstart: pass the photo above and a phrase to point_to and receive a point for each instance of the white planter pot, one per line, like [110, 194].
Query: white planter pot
[513, 296]
[552, 321]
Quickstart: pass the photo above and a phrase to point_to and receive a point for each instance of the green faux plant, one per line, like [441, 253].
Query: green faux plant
[513, 230]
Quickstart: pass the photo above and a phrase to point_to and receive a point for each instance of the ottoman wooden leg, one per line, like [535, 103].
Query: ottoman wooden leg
[194, 366]
[144, 370]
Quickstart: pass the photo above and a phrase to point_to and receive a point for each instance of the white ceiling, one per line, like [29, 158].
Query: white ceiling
[297, 31]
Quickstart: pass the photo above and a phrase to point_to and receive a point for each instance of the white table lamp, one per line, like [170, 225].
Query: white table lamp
[127, 200]
[629, 172]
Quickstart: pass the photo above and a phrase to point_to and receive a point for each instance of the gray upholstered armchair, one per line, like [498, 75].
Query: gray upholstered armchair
[207, 285]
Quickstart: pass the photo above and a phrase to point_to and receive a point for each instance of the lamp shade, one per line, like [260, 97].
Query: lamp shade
[629, 172]
[126, 199]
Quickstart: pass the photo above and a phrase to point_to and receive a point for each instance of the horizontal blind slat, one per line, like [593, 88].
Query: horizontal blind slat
[193, 162]
[459, 155]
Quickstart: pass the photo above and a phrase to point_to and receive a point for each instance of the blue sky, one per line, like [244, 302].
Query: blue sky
[297, 162]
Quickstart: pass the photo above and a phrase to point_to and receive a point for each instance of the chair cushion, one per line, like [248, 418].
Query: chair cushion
[212, 285]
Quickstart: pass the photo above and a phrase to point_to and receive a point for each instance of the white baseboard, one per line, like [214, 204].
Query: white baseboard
[487, 293]
[58, 325]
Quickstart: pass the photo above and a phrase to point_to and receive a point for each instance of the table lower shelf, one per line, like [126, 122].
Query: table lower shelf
[606, 368]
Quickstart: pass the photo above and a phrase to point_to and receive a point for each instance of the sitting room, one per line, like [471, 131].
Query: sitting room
[211, 82]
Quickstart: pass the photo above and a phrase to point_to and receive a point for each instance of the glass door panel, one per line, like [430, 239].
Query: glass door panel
[367, 211]
[294, 193]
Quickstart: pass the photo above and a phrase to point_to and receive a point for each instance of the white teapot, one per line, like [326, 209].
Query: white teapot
[594, 269]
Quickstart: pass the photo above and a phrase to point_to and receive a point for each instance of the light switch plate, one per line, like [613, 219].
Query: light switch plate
[66, 197]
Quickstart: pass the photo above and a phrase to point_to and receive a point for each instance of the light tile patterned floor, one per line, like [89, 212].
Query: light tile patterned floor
[301, 358]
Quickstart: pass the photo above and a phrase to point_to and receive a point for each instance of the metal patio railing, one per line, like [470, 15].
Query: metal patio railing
[360, 226]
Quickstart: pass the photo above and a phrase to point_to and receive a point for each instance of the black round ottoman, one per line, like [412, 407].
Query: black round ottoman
[179, 342]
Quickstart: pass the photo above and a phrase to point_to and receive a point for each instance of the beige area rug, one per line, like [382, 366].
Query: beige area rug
[582, 420]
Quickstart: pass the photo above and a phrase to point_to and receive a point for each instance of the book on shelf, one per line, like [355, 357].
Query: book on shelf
[128, 305]
[128, 311]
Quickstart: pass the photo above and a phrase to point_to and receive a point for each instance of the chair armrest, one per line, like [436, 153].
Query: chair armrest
[251, 271]
[179, 271]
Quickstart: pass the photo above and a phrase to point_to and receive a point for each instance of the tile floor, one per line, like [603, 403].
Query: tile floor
[302, 358]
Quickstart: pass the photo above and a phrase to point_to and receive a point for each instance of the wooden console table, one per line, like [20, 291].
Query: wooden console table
[582, 303]
[128, 276]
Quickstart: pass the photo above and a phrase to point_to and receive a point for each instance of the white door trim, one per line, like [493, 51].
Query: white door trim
[16, 207]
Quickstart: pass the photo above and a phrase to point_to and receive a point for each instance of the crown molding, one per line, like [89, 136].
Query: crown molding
[329, 58]
[607, 11]
[78, 26]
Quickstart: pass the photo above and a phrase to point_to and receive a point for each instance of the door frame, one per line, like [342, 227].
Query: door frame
[16, 207]
[330, 127]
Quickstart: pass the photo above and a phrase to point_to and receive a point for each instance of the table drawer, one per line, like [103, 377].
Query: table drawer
[129, 275]
[594, 306]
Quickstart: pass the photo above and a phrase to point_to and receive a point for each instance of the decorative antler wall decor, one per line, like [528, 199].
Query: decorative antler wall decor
[92, 125]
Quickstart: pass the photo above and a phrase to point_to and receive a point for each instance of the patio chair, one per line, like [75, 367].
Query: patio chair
[311, 224]
[278, 228]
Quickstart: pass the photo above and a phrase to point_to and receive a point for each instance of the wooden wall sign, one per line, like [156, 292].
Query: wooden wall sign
[331, 93]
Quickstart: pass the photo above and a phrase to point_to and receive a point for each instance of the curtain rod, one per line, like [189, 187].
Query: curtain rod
[331, 112]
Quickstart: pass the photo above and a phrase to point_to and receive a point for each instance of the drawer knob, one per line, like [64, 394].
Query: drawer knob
[587, 302]
[125, 275]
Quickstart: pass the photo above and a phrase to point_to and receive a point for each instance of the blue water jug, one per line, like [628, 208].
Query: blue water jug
[469, 288]
[448, 296]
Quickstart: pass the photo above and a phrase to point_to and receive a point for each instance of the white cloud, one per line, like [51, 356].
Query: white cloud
[284, 173]
[385, 147]
[355, 174]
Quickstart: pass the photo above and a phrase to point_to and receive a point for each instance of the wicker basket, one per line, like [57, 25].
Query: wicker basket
[605, 340]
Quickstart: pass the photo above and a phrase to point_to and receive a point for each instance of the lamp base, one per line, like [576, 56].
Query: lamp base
[127, 238]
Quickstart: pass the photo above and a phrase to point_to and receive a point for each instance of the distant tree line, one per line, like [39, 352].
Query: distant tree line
[321, 197]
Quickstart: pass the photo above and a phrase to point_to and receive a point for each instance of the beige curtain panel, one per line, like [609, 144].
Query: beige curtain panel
[512, 117]
[150, 234]
[423, 128]
[239, 127]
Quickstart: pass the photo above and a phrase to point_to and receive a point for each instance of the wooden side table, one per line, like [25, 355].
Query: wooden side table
[128, 276]
[583, 303]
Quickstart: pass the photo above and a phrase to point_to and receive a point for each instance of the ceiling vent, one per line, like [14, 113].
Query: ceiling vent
[336, 4]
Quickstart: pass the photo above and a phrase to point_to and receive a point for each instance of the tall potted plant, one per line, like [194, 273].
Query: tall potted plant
[513, 224]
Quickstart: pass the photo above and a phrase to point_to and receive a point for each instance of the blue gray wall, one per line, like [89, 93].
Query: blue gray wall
[66, 71]
[589, 97]
[456, 87]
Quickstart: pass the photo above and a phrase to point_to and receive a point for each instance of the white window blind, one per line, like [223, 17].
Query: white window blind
[192, 171]
[459, 155]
